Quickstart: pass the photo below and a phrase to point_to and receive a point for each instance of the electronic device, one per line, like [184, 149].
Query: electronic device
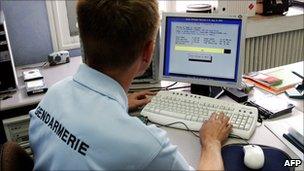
[60, 57]
[169, 107]
[244, 7]
[295, 93]
[253, 156]
[202, 49]
[35, 87]
[16, 129]
[8, 76]
[151, 75]
[199, 8]
[271, 107]
[272, 7]
[236, 94]
[33, 74]
[298, 91]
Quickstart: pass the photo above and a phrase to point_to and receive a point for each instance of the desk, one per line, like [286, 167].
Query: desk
[187, 144]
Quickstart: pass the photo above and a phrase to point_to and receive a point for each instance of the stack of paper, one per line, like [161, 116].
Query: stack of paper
[281, 126]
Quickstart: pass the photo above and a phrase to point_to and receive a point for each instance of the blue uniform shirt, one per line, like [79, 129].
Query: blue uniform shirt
[82, 124]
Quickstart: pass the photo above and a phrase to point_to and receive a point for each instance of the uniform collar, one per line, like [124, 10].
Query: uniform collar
[102, 84]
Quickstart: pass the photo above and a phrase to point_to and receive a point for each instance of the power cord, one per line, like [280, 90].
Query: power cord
[174, 123]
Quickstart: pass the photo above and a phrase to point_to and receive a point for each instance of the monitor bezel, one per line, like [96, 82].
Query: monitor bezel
[200, 81]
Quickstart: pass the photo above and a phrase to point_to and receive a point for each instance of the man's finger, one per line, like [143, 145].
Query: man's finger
[221, 116]
[213, 116]
[142, 102]
[141, 93]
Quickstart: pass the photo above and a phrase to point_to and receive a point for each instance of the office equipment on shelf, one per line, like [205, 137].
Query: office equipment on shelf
[8, 77]
[288, 80]
[244, 7]
[16, 129]
[34, 82]
[199, 8]
[273, 7]
[31, 75]
[169, 107]
[202, 49]
[282, 126]
[271, 106]
[35, 87]
[60, 57]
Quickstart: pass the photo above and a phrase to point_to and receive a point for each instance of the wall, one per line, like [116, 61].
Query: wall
[29, 31]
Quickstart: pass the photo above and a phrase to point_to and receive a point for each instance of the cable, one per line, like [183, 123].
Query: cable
[174, 123]
[175, 88]
[38, 66]
[154, 89]
[238, 137]
[168, 87]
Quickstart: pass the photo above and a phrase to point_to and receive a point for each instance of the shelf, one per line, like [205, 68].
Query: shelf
[264, 25]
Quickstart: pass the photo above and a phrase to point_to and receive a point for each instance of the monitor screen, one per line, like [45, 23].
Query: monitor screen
[203, 50]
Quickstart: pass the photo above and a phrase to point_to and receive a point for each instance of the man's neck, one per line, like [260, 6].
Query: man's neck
[123, 77]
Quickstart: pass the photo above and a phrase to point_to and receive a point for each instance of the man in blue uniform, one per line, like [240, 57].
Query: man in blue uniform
[82, 123]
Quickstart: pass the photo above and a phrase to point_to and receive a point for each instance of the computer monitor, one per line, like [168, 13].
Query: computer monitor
[151, 75]
[202, 49]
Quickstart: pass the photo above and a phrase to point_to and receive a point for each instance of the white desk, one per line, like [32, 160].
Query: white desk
[188, 144]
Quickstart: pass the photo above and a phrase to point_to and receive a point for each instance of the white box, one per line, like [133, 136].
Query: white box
[242, 7]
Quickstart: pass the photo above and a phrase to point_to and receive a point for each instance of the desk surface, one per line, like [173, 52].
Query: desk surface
[188, 144]
[51, 76]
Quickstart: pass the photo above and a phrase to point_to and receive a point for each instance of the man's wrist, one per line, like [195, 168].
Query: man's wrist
[211, 144]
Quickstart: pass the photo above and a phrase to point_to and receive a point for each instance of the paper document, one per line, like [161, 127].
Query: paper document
[281, 126]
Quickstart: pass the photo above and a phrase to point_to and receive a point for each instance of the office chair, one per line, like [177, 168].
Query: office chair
[14, 158]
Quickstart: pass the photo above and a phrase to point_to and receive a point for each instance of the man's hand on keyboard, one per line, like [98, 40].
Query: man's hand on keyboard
[139, 99]
[213, 133]
[215, 130]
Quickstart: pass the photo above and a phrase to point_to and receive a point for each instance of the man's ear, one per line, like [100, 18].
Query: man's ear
[145, 58]
[148, 52]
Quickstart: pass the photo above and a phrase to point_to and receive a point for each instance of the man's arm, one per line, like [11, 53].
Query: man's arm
[213, 133]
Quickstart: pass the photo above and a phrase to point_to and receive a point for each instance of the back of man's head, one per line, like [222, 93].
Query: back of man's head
[114, 32]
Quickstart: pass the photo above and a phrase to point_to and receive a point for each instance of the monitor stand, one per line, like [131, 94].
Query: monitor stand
[209, 91]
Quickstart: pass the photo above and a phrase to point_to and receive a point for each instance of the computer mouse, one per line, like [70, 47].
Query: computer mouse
[254, 156]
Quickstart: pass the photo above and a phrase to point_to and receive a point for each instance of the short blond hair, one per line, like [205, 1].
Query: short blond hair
[114, 32]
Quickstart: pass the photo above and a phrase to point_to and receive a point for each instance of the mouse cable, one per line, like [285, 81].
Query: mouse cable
[174, 123]
[238, 138]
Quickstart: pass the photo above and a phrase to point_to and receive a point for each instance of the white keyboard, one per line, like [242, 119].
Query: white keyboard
[168, 107]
